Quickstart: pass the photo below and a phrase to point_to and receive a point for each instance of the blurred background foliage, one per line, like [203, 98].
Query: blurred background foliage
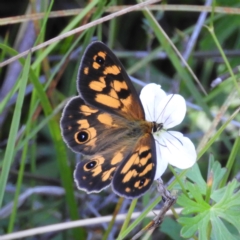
[39, 158]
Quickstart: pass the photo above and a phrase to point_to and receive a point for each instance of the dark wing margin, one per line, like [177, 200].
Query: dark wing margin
[136, 173]
[104, 83]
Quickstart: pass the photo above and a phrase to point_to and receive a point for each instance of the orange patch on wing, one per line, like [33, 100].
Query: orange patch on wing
[96, 65]
[127, 101]
[86, 110]
[129, 175]
[107, 174]
[147, 169]
[97, 86]
[137, 184]
[105, 118]
[107, 100]
[115, 70]
[102, 80]
[93, 132]
[83, 123]
[100, 159]
[102, 54]
[92, 142]
[146, 182]
[118, 157]
[86, 70]
[118, 86]
[143, 149]
[113, 93]
[132, 160]
[144, 160]
[96, 171]
[127, 189]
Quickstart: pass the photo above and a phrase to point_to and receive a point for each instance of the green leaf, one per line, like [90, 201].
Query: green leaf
[193, 224]
[218, 174]
[211, 221]
[171, 228]
[195, 175]
[192, 206]
[219, 230]
[9, 154]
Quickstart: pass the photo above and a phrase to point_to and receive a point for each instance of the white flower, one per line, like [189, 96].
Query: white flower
[171, 146]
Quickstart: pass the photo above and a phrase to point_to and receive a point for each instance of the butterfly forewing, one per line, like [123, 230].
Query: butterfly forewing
[87, 129]
[136, 173]
[104, 83]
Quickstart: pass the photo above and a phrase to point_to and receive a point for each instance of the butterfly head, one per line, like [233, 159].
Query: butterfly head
[156, 126]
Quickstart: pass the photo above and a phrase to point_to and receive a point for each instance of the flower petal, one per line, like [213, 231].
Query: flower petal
[171, 111]
[162, 163]
[150, 97]
[178, 150]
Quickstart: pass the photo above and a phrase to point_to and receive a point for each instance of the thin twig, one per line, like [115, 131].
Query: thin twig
[223, 77]
[192, 41]
[73, 224]
[162, 7]
[79, 29]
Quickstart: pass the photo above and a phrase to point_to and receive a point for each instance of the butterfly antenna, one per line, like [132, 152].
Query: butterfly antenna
[162, 112]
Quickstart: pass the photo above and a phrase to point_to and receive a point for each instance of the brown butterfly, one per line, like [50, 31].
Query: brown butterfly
[106, 122]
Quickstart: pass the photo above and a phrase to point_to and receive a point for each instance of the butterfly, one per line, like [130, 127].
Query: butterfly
[106, 123]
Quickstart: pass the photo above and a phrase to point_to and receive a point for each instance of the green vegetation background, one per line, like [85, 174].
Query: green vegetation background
[36, 167]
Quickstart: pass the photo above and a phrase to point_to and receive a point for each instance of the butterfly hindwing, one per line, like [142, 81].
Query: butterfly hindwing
[96, 173]
[136, 173]
[131, 171]
[104, 83]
